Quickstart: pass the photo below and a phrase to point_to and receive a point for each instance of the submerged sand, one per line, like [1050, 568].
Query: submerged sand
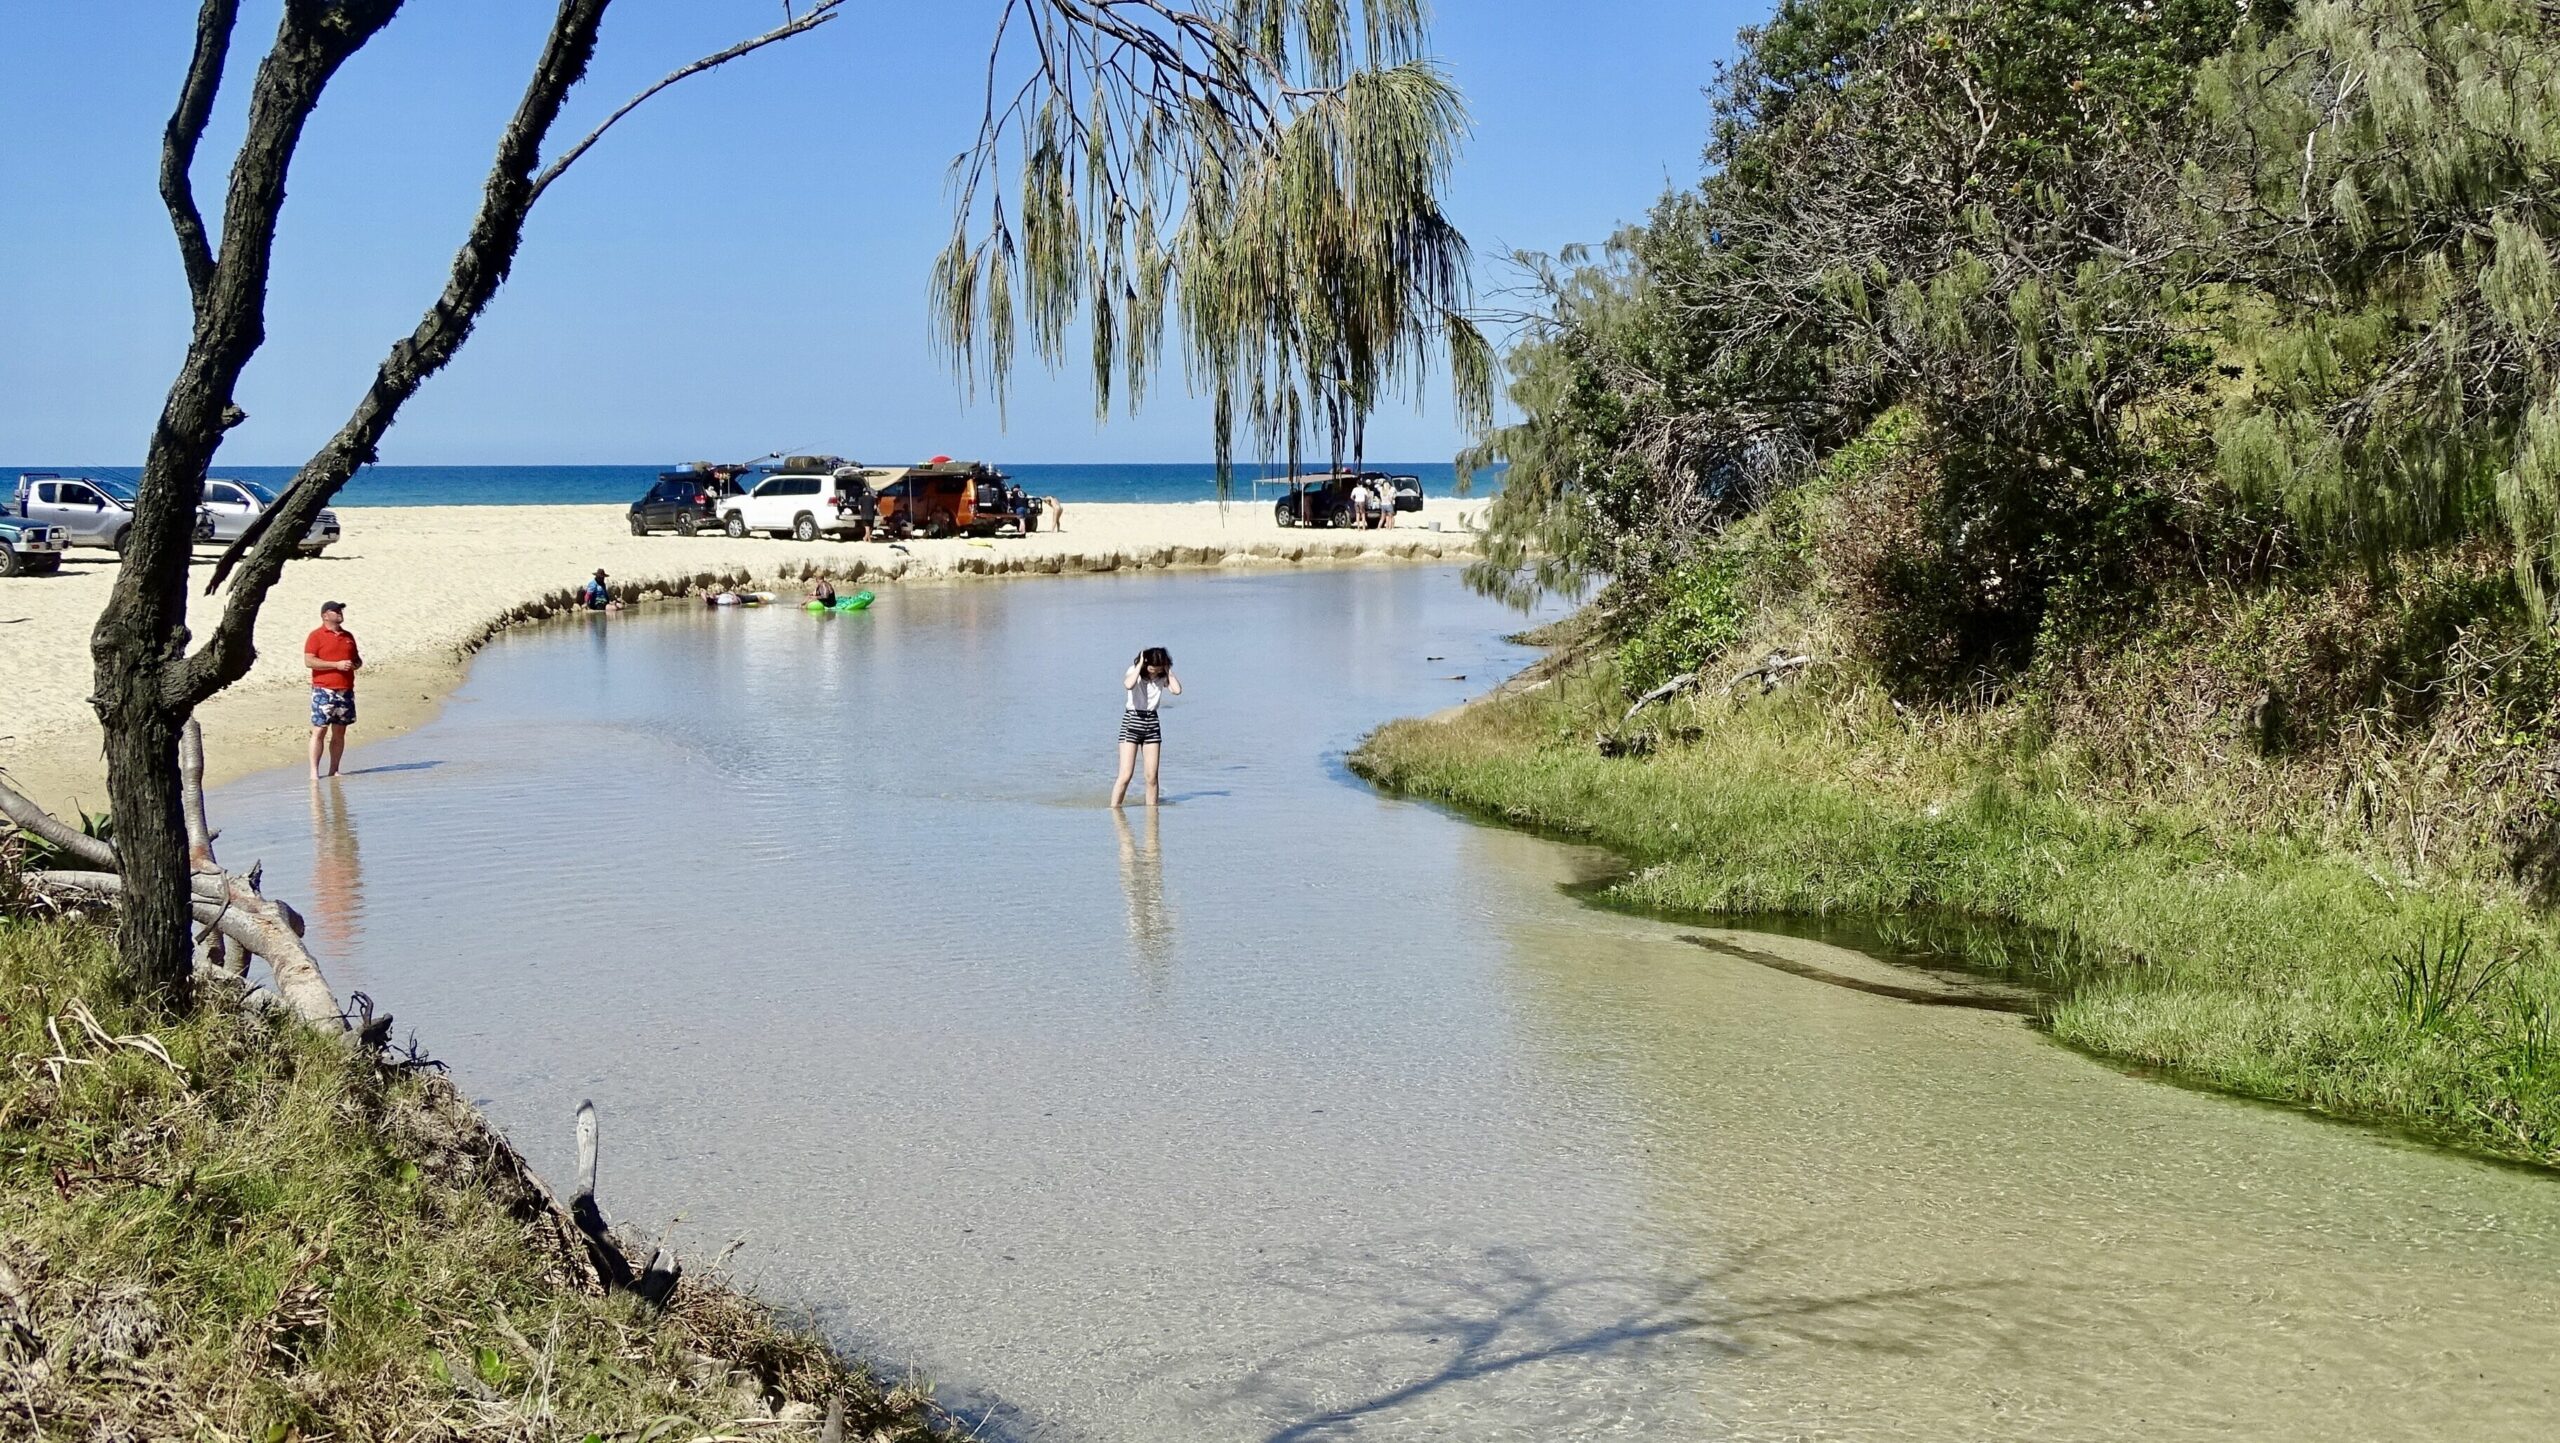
[426, 585]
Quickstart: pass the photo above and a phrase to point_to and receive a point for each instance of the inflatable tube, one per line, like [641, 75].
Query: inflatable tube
[859, 601]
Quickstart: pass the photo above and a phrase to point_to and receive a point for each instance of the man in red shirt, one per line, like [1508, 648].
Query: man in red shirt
[331, 654]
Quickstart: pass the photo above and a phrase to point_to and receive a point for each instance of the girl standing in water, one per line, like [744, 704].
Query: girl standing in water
[1149, 681]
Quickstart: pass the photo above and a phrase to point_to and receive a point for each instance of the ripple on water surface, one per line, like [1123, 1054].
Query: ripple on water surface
[1291, 1112]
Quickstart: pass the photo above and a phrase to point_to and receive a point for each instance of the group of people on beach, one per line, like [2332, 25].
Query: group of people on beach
[1373, 504]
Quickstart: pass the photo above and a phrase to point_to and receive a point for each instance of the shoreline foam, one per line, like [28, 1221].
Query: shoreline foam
[427, 586]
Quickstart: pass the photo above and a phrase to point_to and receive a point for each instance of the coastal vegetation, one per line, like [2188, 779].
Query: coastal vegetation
[2142, 419]
[223, 1224]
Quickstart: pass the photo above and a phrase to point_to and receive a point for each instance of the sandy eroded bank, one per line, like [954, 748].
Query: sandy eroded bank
[426, 585]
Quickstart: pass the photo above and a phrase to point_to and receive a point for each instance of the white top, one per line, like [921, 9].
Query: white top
[1147, 695]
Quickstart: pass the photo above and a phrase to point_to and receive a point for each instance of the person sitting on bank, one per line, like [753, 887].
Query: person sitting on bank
[596, 595]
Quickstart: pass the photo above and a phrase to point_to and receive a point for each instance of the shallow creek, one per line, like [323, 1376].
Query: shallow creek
[1295, 1112]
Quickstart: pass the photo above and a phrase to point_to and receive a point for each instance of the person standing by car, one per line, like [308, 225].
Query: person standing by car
[1146, 684]
[334, 659]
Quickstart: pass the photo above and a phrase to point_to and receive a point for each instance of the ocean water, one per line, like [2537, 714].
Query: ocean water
[616, 485]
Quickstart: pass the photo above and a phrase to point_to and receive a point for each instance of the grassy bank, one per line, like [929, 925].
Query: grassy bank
[2252, 958]
[220, 1227]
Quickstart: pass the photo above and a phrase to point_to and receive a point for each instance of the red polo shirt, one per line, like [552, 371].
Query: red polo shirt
[339, 645]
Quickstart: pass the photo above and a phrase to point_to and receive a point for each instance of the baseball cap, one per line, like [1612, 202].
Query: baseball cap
[336, 606]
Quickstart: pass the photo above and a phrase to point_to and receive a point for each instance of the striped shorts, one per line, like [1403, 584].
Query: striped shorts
[1141, 727]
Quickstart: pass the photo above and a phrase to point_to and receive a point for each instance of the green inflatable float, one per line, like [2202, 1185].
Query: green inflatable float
[859, 601]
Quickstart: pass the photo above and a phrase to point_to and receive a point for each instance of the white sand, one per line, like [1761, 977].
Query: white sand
[426, 585]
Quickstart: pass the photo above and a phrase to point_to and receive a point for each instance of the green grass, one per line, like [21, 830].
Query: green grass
[2242, 958]
[220, 1227]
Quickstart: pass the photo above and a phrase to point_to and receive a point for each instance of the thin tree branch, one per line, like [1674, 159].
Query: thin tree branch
[214, 24]
[824, 12]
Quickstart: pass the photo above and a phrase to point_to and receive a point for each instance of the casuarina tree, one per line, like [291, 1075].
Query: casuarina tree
[1263, 173]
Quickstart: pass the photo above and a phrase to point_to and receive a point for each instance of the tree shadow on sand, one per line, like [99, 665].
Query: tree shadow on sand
[1613, 1349]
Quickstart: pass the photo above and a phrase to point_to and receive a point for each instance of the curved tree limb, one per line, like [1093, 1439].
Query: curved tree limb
[214, 25]
[825, 11]
[36, 822]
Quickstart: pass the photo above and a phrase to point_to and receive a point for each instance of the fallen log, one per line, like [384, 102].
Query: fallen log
[1685, 681]
[655, 1280]
[238, 919]
[1775, 669]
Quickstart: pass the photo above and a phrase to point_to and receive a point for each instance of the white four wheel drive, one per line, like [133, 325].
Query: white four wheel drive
[229, 507]
[797, 505]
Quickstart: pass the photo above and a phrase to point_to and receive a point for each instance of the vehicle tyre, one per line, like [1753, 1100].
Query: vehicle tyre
[736, 526]
[804, 527]
[638, 526]
[121, 538]
[10, 564]
[686, 525]
[1282, 513]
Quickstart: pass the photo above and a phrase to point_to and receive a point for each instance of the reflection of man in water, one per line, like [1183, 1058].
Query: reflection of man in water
[1142, 877]
[337, 874]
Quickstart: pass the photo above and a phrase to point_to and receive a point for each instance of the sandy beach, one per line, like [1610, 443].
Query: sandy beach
[426, 586]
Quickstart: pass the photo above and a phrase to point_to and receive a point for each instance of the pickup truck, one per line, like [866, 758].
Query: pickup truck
[87, 510]
[801, 506]
[230, 506]
[29, 548]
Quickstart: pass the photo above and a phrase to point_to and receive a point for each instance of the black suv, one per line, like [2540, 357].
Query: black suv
[1326, 500]
[681, 502]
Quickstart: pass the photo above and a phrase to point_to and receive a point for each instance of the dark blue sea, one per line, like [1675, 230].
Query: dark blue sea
[587, 485]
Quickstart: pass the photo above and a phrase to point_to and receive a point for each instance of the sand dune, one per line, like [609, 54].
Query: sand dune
[426, 585]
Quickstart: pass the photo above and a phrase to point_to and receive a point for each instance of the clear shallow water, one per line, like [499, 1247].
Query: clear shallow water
[1294, 1112]
[620, 485]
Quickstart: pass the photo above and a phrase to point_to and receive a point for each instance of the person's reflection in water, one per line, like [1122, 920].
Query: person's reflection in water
[337, 872]
[1150, 919]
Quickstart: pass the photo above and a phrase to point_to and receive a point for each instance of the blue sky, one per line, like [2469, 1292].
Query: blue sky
[740, 267]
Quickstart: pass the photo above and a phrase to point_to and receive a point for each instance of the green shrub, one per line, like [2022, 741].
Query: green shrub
[1694, 613]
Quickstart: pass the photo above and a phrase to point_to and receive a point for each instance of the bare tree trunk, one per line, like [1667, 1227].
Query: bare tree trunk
[155, 927]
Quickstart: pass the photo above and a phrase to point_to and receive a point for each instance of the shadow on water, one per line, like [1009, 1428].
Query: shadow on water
[393, 767]
[1480, 1312]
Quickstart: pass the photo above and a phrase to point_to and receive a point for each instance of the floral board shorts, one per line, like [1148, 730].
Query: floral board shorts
[331, 707]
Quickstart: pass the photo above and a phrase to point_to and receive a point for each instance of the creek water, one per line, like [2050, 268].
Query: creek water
[1293, 1112]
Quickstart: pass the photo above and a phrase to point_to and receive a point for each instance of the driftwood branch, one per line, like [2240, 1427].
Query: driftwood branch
[69, 840]
[1685, 681]
[1777, 667]
[654, 1282]
[230, 905]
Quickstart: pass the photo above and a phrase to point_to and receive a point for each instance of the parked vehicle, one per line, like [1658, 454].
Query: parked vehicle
[1316, 501]
[90, 510]
[684, 502]
[1326, 500]
[954, 498]
[803, 506]
[30, 548]
[230, 506]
